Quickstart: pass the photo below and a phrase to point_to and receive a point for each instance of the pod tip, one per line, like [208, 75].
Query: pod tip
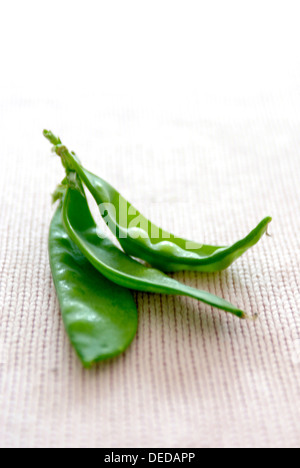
[251, 318]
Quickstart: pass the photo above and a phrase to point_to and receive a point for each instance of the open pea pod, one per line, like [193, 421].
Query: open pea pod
[118, 267]
[142, 239]
[100, 317]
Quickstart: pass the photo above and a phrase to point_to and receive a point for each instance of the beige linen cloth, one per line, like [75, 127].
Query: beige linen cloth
[194, 376]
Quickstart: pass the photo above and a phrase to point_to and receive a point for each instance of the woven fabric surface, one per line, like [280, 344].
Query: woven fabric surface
[194, 376]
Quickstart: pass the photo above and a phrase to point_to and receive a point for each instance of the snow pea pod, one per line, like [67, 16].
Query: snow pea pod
[116, 265]
[100, 317]
[162, 250]
[142, 239]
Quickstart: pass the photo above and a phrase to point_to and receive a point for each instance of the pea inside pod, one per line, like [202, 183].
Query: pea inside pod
[142, 239]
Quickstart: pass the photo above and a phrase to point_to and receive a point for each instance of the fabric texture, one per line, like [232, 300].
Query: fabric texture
[207, 169]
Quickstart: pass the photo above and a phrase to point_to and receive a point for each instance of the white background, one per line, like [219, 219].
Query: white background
[159, 55]
[151, 49]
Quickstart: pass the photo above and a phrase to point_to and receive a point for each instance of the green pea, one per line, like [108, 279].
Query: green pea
[142, 239]
[118, 267]
[100, 317]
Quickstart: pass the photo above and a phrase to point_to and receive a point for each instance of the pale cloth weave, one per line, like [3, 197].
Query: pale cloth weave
[194, 377]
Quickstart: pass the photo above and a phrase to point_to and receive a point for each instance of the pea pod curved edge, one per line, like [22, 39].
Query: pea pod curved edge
[164, 250]
[100, 317]
[118, 267]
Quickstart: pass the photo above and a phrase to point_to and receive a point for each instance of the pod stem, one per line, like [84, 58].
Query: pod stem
[52, 138]
[67, 157]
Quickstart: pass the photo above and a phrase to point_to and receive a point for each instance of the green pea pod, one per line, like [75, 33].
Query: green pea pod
[100, 317]
[116, 265]
[142, 239]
